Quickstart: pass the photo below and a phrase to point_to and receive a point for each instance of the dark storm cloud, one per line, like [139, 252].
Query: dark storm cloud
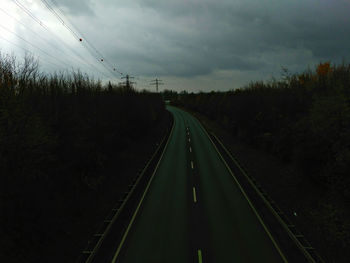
[197, 37]
[240, 34]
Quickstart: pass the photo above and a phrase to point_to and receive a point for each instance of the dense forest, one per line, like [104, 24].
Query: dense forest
[300, 126]
[302, 118]
[61, 137]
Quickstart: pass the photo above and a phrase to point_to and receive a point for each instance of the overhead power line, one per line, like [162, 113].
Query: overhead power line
[42, 24]
[43, 39]
[78, 35]
[18, 21]
[58, 13]
[30, 14]
[61, 20]
[43, 51]
[127, 81]
[27, 50]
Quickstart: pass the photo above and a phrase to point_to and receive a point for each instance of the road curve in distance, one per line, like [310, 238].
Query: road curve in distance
[193, 210]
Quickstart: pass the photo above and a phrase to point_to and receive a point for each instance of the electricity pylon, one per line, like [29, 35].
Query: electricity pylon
[127, 81]
[156, 82]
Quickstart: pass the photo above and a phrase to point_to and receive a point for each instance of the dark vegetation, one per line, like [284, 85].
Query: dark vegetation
[303, 120]
[62, 138]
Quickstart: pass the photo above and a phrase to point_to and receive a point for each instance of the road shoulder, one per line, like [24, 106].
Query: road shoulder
[306, 204]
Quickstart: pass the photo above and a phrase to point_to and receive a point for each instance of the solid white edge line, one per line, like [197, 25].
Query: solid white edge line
[246, 197]
[143, 196]
[118, 211]
[276, 214]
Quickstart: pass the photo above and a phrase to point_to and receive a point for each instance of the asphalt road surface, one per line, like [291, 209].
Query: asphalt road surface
[193, 210]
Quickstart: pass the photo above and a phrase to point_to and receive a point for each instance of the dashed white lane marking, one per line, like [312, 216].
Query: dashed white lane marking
[190, 149]
[194, 195]
[200, 256]
[189, 139]
[192, 164]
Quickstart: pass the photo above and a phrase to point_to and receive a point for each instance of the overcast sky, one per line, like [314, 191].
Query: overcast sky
[189, 44]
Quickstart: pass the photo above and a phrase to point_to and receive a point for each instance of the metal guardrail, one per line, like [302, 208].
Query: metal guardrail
[95, 243]
[267, 230]
[301, 242]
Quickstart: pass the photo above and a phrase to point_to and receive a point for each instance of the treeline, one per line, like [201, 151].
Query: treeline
[61, 137]
[302, 118]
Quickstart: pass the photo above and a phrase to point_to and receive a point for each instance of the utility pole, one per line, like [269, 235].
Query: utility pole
[156, 82]
[127, 82]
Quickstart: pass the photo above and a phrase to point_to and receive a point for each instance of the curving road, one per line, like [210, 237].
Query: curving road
[193, 210]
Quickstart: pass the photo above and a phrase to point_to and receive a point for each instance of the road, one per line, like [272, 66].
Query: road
[193, 210]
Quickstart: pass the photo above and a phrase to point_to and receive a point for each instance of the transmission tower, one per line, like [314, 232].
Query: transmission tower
[127, 81]
[156, 82]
